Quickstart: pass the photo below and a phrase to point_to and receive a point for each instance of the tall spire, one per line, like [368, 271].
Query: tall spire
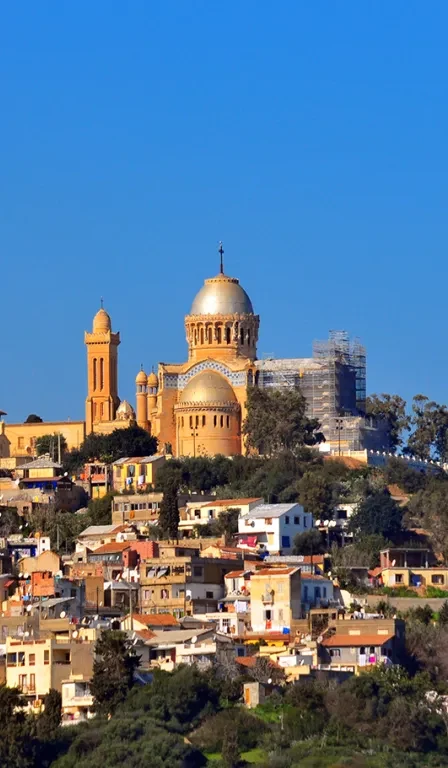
[221, 253]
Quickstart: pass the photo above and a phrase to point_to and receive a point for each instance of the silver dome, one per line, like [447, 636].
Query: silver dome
[222, 295]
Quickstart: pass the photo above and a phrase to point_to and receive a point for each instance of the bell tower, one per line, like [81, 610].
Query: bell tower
[102, 371]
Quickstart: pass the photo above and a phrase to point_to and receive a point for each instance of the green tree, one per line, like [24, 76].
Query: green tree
[316, 494]
[133, 441]
[230, 748]
[100, 510]
[429, 507]
[378, 514]
[33, 418]
[391, 408]
[49, 720]
[443, 614]
[276, 421]
[113, 670]
[309, 543]
[429, 438]
[50, 444]
[18, 747]
[169, 512]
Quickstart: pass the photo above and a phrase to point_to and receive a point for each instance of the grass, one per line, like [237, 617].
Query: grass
[253, 756]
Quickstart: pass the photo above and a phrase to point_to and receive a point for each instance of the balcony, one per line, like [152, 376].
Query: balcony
[268, 598]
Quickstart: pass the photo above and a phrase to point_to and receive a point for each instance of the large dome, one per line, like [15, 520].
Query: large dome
[222, 295]
[208, 387]
[102, 322]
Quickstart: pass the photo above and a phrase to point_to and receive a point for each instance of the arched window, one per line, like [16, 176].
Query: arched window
[228, 335]
[219, 334]
[214, 421]
[195, 336]
[242, 335]
[203, 421]
[222, 421]
[191, 422]
[101, 373]
[248, 338]
[95, 380]
[197, 421]
[210, 335]
[228, 421]
[202, 335]
[182, 421]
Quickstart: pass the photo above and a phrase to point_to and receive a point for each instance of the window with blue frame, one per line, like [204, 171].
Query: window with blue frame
[285, 541]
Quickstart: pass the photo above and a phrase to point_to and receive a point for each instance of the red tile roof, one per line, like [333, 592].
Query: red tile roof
[113, 546]
[234, 574]
[224, 502]
[156, 619]
[276, 571]
[145, 634]
[347, 641]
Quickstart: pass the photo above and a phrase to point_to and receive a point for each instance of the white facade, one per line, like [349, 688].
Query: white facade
[272, 527]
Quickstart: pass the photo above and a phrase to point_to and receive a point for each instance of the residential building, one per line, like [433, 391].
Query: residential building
[202, 512]
[132, 473]
[42, 473]
[409, 567]
[36, 666]
[353, 645]
[317, 591]
[272, 527]
[186, 584]
[96, 535]
[139, 622]
[116, 557]
[275, 599]
[77, 700]
[227, 622]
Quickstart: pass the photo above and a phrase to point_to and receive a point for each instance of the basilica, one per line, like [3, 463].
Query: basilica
[193, 408]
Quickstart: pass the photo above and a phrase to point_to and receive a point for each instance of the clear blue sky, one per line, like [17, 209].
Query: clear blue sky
[311, 137]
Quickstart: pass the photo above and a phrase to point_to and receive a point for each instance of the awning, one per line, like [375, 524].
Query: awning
[152, 573]
[248, 541]
[162, 572]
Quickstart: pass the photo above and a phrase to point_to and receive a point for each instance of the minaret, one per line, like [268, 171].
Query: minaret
[102, 371]
[142, 411]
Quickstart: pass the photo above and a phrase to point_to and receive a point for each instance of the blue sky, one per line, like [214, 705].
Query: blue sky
[310, 137]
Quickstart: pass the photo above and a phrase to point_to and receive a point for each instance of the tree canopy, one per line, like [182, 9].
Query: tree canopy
[50, 444]
[276, 421]
[113, 670]
[33, 418]
[391, 408]
[377, 514]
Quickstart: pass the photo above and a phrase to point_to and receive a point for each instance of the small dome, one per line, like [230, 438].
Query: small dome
[222, 295]
[153, 381]
[125, 411]
[141, 378]
[102, 322]
[208, 387]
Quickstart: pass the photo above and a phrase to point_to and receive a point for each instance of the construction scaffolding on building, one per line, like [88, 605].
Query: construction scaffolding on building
[333, 383]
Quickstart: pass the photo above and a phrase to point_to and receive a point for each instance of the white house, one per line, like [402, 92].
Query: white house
[201, 513]
[272, 527]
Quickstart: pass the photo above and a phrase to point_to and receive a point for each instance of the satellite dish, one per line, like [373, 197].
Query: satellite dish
[75, 634]
[393, 563]
[29, 608]
[269, 680]
[194, 640]
[62, 615]
[26, 575]
[318, 522]
[326, 522]
[26, 634]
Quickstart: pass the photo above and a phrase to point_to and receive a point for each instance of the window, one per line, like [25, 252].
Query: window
[32, 682]
[248, 337]
[197, 570]
[46, 657]
[280, 588]
[182, 421]
[268, 520]
[219, 335]
[335, 653]
[191, 422]
[203, 421]
[73, 593]
[209, 595]
[324, 591]
[317, 593]
[210, 335]
[398, 578]
[202, 335]
[164, 594]
[285, 541]
[280, 615]
[296, 520]
[362, 651]
[228, 335]
[94, 373]
[20, 442]
[228, 421]
[22, 681]
[242, 335]
[437, 579]
[226, 622]
[197, 421]
[32, 659]
[305, 592]
[268, 614]
[222, 421]
[305, 521]
[214, 421]
[287, 520]
[101, 372]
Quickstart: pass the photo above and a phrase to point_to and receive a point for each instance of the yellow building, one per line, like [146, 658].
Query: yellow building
[22, 437]
[130, 474]
[275, 599]
[198, 407]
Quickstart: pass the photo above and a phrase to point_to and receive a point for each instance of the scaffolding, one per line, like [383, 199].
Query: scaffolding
[333, 383]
